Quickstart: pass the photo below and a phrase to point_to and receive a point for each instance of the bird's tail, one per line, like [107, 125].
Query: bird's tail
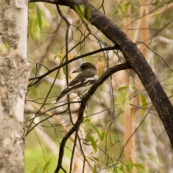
[65, 92]
[56, 100]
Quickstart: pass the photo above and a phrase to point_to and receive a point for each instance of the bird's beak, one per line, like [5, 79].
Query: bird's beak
[78, 70]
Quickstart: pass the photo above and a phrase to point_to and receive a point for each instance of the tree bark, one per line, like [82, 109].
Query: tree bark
[14, 74]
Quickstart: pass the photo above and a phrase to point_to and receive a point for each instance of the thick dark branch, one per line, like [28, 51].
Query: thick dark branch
[82, 108]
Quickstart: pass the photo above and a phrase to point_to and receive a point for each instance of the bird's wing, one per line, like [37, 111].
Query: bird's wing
[81, 80]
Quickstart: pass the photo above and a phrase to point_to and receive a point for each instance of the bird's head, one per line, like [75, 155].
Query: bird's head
[85, 66]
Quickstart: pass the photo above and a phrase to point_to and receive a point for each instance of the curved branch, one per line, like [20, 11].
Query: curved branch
[83, 104]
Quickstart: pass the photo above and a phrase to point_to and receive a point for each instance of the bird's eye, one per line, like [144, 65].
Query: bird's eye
[84, 65]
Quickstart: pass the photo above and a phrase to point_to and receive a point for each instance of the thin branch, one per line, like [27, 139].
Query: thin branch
[73, 150]
[155, 53]
[39, 78]
[84, 101]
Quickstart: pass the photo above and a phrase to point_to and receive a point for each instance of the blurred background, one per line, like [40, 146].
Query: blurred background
[121, 131]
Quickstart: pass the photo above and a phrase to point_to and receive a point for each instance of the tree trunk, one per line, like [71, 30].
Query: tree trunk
[14, 73]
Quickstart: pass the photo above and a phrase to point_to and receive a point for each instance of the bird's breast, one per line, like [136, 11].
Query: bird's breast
[82, 90]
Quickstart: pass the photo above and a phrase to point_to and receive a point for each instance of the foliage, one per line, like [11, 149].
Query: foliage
[35, 162]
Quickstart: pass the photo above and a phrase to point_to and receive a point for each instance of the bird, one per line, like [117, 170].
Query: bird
[81, 83]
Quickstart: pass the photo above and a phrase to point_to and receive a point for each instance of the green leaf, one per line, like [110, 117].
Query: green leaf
[116, 138]
[55, 57]
[138, 166]
[86, 120]
[102, 135]
[121, 166]
[80, 9]
[100, 59]
[34, 70]
[122, 88]
[126, 7]
[69, 76]
[31, 6]
[144, 103]
[95, 169]
[88, 15]
[129, 166]
[34, 30]
[95, 158]
[102, 123]
[33, 91]
[95, 128]
[58, 55]
[46, 166]
[39, 17]
[35, 170]
[7, 44]
[123, 98]
[171, 82]
[115, 12]
[93, 142]
[30, 27]
[64, 70]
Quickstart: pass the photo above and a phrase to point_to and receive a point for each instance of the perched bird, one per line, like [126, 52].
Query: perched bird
[82, 82]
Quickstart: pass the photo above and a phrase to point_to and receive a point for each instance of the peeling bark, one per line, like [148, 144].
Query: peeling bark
[14, 74]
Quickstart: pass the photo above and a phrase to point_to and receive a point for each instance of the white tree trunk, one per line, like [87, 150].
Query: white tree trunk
[14, 73]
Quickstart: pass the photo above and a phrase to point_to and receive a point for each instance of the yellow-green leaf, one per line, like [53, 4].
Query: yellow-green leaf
[33, 91]
[39, 17]
[122, 88]
[144, 103]
[34, 70]
[95, 169]
[46, 166]
[95, 128]
[93, 142]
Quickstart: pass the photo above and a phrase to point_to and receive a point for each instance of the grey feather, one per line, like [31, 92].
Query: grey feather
[82, 82]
